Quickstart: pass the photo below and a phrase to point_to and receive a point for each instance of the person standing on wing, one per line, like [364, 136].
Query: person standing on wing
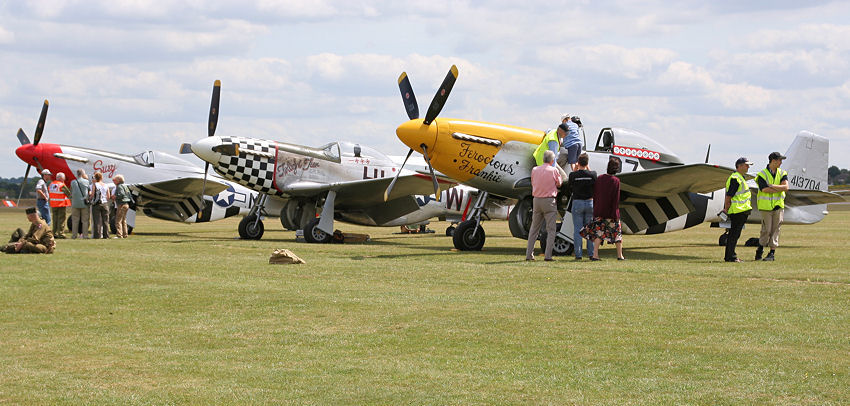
[772, 184]
[572, 142]
[737, 206]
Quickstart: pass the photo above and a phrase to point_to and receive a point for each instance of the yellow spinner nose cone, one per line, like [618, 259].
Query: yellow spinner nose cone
[413, 134]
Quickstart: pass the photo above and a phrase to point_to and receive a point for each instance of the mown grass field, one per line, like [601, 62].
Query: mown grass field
[187, 314]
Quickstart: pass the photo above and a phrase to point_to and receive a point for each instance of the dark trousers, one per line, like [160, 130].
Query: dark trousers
[737, 220]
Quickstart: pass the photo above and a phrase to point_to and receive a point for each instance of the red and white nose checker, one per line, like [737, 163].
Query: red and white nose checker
[340, 177]
[164, 186]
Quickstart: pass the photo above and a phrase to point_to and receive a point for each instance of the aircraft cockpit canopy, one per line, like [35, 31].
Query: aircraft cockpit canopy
[634, 143]
[354, 150]
[331, 151]
[150, 158]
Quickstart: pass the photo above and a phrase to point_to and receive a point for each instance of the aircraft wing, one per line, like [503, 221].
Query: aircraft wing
[694, 178]
[366, 192]
[178, 189]
[175, 199]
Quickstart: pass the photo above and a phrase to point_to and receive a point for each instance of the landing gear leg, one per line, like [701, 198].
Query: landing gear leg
[469, 235]
[251, 226]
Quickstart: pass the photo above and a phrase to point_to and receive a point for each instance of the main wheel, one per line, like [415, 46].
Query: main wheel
[250, 228]
[290, 215]
[312, 233]
[722, 240]
[463, 236]
[450, 230]
[561, 247]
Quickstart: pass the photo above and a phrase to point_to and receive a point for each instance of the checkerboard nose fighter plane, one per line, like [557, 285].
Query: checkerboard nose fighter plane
[659, 192]
[348, 180]
[164, 186]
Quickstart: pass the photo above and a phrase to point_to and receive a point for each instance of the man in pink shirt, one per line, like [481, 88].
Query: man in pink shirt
[545, 180]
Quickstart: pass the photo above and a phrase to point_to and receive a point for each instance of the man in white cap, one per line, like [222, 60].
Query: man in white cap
[42, 195]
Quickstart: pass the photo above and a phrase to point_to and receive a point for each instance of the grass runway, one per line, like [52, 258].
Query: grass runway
[183, 313]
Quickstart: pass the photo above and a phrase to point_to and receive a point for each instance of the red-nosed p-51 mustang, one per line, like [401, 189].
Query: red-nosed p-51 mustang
[164, 186]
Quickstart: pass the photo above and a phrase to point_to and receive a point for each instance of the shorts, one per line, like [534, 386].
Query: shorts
[573, 152]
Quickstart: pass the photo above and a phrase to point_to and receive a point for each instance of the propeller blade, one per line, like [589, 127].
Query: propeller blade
[185, 148]
[39, 129]
[707, 153]
[214, 107]
[408, 97]
[23, 185]
[22, 137]
[431, 168]
[440, 98]
[390, 187]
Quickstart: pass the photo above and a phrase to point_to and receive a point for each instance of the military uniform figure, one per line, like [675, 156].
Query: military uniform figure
[38, 240]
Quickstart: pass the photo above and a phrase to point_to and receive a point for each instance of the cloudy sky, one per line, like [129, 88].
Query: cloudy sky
[132, 75]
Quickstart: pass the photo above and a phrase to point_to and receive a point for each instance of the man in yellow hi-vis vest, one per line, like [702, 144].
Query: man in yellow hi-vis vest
[772, 184]
[737, 206]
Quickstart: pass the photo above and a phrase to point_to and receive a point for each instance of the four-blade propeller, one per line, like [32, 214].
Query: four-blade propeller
[412, 108]
[22, 137]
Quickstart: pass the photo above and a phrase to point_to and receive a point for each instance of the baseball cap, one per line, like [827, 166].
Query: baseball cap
[743, 160]
[30, 210]
[565, 116]
[46, 172]
[776, 155]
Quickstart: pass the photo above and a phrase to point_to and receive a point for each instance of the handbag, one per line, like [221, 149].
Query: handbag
[86, 198]
[95, 195]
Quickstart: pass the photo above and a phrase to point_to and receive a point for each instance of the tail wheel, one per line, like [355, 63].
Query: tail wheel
[464, 239]
[312, 233]
[722, 240]
[250, 228]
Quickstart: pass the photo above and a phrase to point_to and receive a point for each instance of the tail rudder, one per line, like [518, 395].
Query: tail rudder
[808, 158]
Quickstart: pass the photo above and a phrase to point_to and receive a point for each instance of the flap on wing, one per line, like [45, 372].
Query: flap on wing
[171, 209]
[178, 189]
[385, 212]
[809, 197]
[366, 192]
[693, 178]
[638, 214]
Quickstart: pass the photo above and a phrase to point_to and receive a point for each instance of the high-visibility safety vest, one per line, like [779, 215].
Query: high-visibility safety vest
[741, 199]
[57, 197]
[544, 145]
[769, 201]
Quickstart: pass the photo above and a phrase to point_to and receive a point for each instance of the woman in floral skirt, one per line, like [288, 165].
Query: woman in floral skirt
[606, 212]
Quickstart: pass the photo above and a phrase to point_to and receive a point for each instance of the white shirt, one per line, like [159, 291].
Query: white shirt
[41, 185]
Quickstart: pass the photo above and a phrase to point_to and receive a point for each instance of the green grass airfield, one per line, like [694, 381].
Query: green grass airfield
[186, 314]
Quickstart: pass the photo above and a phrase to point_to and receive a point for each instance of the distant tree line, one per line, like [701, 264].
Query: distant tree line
[9, 188]
[838, 176]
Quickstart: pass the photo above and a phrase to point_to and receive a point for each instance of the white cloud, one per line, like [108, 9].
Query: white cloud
[6, 37]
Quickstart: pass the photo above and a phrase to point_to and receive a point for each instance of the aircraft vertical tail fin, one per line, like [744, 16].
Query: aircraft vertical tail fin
[808, 158]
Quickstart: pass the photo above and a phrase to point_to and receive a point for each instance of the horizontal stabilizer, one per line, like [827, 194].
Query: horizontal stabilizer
[809, 197]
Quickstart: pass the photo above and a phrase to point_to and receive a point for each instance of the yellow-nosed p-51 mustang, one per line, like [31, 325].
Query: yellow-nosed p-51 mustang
[659, 192]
